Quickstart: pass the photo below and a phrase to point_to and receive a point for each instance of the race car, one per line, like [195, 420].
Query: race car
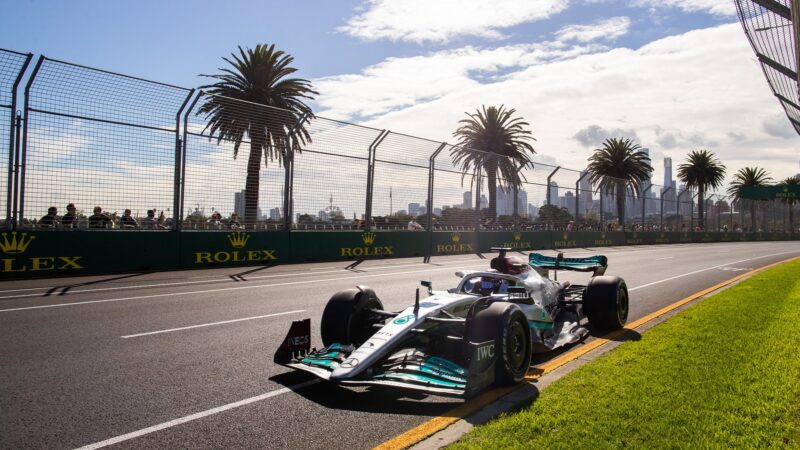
[460, 341]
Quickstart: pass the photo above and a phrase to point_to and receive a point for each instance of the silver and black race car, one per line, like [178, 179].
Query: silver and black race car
[463, 340]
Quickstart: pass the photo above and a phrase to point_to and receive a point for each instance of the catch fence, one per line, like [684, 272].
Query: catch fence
[94, 138]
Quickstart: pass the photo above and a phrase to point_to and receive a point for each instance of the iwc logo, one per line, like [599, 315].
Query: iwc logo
[455, 246]
[238, 240]
[18, 244]
[368, 238]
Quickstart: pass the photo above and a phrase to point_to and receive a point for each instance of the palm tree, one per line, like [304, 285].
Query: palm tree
[748, 177]
[790, 181]
[257, 78]
[702, 170]
[496, 141]
[620, 165]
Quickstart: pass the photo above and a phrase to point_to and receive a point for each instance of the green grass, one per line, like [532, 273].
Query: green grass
[723, 374]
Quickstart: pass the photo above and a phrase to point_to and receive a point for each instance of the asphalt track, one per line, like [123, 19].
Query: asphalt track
[184, 359]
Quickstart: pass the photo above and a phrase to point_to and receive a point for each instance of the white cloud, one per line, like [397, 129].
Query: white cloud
[609, 29]
[701, 89]
[443, 20]
[404, 82]
[715, 7]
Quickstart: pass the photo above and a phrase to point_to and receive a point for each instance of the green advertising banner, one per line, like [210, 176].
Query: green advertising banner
[337, 245]
[781, 192]
[233, 248]
[517, 240]
[454, 242]
[575, 239]
[48, 253]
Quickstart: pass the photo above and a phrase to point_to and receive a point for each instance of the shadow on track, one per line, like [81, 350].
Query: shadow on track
[66, 288]
[241, 275]
[369, 399]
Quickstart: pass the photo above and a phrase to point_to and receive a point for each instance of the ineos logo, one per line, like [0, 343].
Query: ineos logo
[296, 341]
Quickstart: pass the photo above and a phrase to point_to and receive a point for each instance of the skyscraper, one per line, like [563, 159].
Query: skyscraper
[667, 172]
[553, 193]
[467, 200]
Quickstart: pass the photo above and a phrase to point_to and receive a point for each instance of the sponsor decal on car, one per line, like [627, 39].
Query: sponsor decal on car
[403, 320]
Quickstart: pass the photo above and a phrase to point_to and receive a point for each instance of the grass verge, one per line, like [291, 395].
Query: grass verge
[724, 373]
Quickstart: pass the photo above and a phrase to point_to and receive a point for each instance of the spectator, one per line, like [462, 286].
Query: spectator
[99, 220]
[571, 226]
[150, 222]
[70, 219]
[126, 222]
[234, 223]
[215, 222]
[50, 220]
[413, 225]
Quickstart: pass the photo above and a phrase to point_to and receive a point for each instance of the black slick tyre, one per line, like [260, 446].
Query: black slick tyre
[507, 325]
[605, 303]
[346, 318]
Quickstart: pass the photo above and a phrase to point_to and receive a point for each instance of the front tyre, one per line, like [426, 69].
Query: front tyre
[347, 320]
[606, 303]
[507, 325]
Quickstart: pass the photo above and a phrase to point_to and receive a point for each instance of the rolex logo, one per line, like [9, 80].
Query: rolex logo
[368, 238]
[635, 235]
[517, 236]
[15, 245]
[565, 236]
[602, 235]
[455, 237]
[238, 239]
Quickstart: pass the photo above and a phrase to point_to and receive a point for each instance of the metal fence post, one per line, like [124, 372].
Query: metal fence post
[644, 203]
[373, 147]
[577, 199]
[478, 181]
[548, 182]
[13, 130]
[678, 207]
[179, 214]
[515, 209]
[288, 184]
[22, 157]
[176, 201]
[429, 206]
[661, 222]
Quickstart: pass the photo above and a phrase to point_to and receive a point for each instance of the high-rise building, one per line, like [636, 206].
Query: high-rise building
[467, 200]
[238, 205]
[668, 172]
[522, 201]
[502, 201]
[274, 214]
[553, 193]
[413, 209]
[585, 193]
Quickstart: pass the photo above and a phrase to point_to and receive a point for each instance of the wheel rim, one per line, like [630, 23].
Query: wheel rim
[622, 306]
[517, 346]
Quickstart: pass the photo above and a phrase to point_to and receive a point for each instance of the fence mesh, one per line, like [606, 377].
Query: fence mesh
[215, 163]
[11, 66]
[96, 138]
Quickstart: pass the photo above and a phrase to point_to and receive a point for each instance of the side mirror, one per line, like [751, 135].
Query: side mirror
[428, 285]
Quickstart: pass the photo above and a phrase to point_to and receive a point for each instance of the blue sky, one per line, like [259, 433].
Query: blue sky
[675, 75]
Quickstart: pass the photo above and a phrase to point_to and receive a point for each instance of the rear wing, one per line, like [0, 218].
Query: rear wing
[596, 264]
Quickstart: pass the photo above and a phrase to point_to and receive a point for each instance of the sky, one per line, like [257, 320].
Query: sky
[673, 75]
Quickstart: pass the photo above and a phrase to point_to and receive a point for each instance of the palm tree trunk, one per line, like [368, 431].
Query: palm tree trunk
[491, 174]
[701, 204]
[252, 182]
[621, 203]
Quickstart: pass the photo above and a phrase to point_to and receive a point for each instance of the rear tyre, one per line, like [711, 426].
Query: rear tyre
[507, 325]
[346, 318]
[605, 303]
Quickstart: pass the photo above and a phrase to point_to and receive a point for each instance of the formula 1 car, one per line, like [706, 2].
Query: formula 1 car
[463, 340]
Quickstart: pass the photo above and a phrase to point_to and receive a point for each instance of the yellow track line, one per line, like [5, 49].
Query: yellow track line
[437, 424]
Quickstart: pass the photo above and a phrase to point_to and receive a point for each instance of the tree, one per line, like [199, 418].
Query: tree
[748, 177]
[258, 78]
[554, 216]
[702, 170]
[618, 166]
[790, 181]
[494, 140]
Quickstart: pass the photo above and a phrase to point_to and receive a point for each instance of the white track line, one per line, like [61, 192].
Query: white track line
[224, 279]
[662, 259]
[706, 269]
[196, 416]
[227, 279]
[207, 291]
[210, 324]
